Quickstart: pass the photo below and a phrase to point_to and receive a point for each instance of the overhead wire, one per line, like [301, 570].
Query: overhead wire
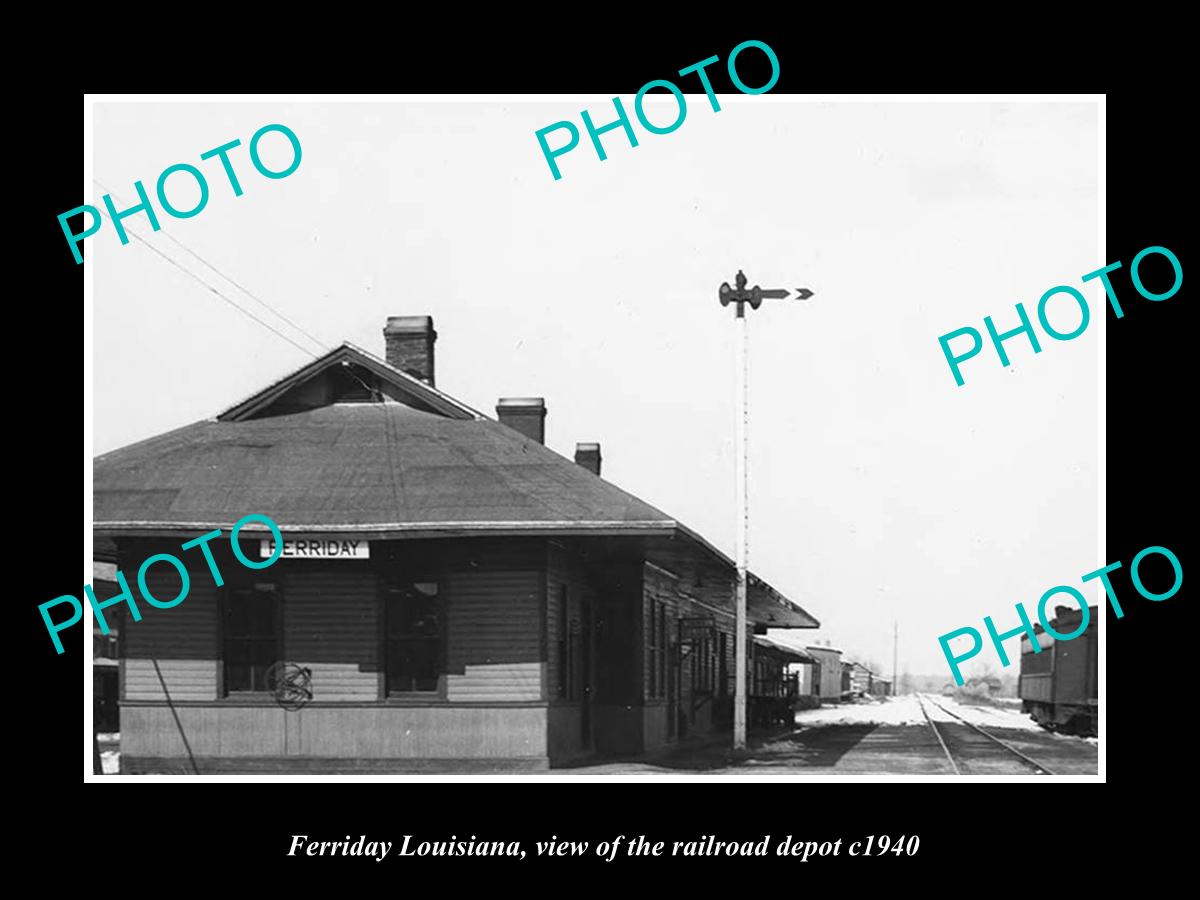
[349, 369]
[299, 328]
[134, 234]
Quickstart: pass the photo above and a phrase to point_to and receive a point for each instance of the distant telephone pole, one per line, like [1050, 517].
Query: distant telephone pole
[895, 655]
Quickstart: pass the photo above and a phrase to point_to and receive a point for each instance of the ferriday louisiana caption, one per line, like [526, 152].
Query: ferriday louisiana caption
[620, 846]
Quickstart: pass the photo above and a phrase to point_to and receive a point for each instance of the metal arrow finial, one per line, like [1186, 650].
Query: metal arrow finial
[754, 296]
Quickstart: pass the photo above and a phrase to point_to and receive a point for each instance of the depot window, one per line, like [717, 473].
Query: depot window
[564, 646]
[722, 666]
[251, 636]
[664, 645]
[653, 647]
[413, 616]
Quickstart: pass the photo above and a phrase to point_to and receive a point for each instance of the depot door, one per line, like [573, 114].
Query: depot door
[585, 665]
[672, 688]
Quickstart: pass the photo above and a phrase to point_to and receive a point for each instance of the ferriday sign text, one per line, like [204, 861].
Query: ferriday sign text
[318, 549]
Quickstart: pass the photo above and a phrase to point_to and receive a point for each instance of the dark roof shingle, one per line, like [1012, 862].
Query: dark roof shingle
[356, 464]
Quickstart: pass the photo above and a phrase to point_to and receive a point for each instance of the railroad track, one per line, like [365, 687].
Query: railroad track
[972, 751]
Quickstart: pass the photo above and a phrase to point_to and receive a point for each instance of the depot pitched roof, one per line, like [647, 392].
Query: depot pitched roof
[413, 463]
[358, 467]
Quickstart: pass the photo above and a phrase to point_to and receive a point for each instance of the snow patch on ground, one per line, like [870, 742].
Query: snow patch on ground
[905, 710]
[901, 710]
[1007, 701]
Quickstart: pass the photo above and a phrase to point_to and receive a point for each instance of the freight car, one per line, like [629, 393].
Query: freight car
[1058, 685]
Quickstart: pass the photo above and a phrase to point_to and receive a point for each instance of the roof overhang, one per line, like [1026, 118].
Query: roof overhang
[387, 531]
[792, 654]
[765, 606]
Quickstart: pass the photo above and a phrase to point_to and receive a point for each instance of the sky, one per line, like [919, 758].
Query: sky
[880, 491]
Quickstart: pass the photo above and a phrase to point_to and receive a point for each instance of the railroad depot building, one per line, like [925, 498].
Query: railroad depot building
[456, 595]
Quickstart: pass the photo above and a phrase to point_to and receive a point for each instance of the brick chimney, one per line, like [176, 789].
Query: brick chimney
[524, 414]
[588, 456]
[408, 341]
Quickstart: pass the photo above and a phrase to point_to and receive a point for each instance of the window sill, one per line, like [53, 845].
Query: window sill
[390, 703]
[248, 698]
[432, 698]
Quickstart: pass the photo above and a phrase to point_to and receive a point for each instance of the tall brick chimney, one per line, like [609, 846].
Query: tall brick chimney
[408, 341]
[524, 414]
[588, 456]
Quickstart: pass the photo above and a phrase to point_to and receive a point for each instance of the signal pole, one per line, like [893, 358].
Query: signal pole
[754, 297]
[739, 455]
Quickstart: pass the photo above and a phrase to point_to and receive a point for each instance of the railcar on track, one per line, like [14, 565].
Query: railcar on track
[1058, 684]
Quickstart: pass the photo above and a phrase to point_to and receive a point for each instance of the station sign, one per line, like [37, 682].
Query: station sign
[696, 628]
[318, 548]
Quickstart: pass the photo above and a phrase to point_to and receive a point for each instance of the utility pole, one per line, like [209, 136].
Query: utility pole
[754, 297]
[895, 655]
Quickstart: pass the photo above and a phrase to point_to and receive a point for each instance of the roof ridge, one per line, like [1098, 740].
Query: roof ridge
[422, 391]
[414, 381]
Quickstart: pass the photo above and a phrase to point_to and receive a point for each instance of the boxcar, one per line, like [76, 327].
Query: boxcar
[1058, 684]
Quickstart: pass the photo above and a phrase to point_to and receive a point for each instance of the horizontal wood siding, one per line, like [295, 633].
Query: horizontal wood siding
[331, 626]
[211, 731]
[368, 732]
[186, 679]
[183, 638]
[494, 636]
[332, 765]
[489, 683]
[420, 732]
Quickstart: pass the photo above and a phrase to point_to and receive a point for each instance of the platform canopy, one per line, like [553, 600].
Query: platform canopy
[791, 654]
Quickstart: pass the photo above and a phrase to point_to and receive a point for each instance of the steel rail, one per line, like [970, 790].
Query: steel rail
[937, 734]
[1007, 746]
